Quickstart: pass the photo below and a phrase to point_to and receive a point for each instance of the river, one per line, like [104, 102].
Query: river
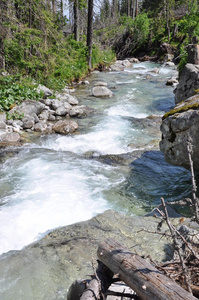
[59, 180]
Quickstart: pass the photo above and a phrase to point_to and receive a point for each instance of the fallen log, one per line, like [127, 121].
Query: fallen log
[99, 284]
[92, 292]
[140, 275]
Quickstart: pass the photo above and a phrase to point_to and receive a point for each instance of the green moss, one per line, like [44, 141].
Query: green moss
[181, 109]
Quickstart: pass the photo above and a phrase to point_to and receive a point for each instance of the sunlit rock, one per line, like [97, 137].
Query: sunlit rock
[188, 84]
[65, 126]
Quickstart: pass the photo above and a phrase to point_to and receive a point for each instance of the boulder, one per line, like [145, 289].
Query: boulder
[40, 127]
[65, 126]
[28, 107]
[177, 125]
[172, 81]
[170, 64]
[193, 54]
[55, 103]
[72, 100]
[2, 117]
[10, 139]
[134, 60]
[120, 65]
[155, 71]
[81, 111]
[100, 83]
[2, 125]
[188, 83]
[102, 92]
[28, 122]
[46, 269]
[44, 115]
[61, 111]
[46, 91]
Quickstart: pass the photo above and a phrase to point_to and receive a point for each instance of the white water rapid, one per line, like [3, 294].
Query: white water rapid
[54, 182]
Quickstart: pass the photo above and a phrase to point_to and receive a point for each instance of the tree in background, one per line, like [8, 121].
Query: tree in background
[90, 32]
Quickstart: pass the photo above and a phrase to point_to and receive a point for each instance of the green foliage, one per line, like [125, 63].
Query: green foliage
[138, 30]
[13, 91]
[141, 29]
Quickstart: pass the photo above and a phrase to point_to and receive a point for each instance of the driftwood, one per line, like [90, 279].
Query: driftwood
[98, 286]
[140, 275]
[92, 292]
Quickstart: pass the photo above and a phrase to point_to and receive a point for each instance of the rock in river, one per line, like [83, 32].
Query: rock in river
[65, 126]
[46, 269]
[177, 125]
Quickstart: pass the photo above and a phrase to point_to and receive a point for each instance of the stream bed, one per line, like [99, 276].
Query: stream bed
[112, 162]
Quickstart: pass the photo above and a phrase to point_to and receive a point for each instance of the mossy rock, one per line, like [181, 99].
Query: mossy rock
[191, 103]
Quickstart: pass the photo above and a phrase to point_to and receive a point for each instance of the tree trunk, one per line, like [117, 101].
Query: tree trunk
[76, 20]
[90, 32]
[139, 274]
[53, 8]
[128, 8]
[2, 56]
[62, 13]
[136, 8]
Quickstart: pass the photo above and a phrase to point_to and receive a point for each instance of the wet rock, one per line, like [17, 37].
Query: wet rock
[100, 83]
[83, 82]
[188, 83]
[155, 70]
[120, 65]
[102, 92]
[9, 139]
[133, 60]
[81, 111]
[46, 269]
[172, 81]
[65, 126]
[170, 64]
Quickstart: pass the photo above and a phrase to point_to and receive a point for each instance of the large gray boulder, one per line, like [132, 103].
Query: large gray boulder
[188, 83]
[176, 127]
[28, 107]
[46, 269]
[101, 90]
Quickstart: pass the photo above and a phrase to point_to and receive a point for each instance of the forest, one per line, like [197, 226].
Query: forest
[56, 42]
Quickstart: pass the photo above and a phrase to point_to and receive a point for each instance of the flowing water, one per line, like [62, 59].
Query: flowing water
[59, 180]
